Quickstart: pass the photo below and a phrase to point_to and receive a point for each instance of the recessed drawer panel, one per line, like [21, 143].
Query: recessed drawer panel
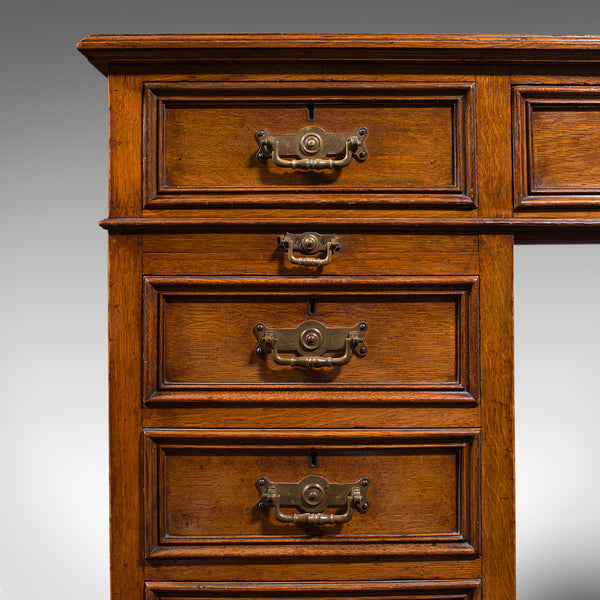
[390, 339]
[296, 590]
[201, 144]
[203, 489]
[557, 147]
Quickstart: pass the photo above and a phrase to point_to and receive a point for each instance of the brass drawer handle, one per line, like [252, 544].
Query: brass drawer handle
[308, 342]
[309, 242]
[311, 145]
[313, 495]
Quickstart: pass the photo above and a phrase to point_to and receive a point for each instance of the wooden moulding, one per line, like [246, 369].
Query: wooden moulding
[109, 52]
[549, 228]
[424, 492]
[388, 590]
[423, 339]
[199, 146]
[556, 147]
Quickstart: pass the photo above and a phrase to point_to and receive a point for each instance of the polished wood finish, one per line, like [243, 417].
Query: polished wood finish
[422, 339]
[201, 499]
[360, 253]
[125, 416]
[200, 148]
[475, 142]
[391, 590]
[149, 52]
[557, 146]
[497, 417]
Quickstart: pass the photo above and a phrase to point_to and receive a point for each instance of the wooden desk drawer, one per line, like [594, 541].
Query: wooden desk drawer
[200, 147]
[556, 147]
[296, 590]
[421, 336]
[201, 495]
[359, 253]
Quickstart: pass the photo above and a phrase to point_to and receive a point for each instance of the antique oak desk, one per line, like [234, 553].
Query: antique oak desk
[311, 348]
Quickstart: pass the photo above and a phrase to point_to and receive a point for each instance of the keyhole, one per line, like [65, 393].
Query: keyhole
[312, 307]
[313, 459]
[310, 112]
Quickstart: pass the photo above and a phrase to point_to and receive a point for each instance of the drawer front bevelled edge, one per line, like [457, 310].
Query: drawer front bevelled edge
[388, 590]
[556, 147]
[416, 340]
[416, 492]
[413, 143]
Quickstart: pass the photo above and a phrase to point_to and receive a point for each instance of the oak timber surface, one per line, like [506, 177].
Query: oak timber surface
[489, 136]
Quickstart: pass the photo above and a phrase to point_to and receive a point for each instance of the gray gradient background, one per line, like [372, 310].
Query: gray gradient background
[53, 453]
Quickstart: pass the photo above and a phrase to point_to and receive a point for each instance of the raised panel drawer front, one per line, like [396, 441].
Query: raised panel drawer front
[557, 147]
[201, 492]
[201, 148]
[386, 590]
[202, 343]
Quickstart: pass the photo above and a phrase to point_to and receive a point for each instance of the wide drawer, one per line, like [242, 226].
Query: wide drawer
[200, 147]
[202, 489]
[296, 590]
[419, 339]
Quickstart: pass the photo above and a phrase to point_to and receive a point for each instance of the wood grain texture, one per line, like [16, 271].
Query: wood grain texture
[337, 415]
[427, 229]
[547, 226]
[493, 141]
[373, 72]
[360, 253]
[497, 417]
[556, 147]
[124, 131]
[109, 52]
[390, 590]
[354, 244]
[277, 263]
[328, 40]
[201, 498]
[125, 415]
[422, 339]
[420, 143]
[320, 569]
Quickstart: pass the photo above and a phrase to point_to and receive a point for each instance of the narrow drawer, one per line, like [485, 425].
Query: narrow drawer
[413, 340]
[200, 144]
[354, 253]
[202, 489]
[556, 147]
[295, 590]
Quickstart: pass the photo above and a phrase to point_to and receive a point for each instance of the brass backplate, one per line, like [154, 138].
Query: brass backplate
[310, 338]
[309, 242]
[311, 143]
[313, 494]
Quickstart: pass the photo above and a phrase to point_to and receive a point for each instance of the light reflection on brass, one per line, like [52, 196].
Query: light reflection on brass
[313, 495]
[310, 148]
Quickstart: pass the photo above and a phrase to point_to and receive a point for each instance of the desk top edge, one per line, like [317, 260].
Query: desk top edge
[103, 50]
